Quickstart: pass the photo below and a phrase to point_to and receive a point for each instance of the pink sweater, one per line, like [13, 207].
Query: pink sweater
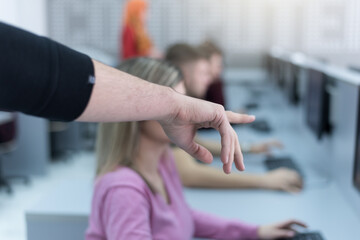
[124, 207]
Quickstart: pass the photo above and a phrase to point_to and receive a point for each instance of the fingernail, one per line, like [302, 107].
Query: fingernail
[226, 160]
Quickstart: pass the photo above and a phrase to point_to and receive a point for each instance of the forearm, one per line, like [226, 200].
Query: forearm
[118, 96]
[211, 226]
[208, 177]
[213, 146]
[194, 174]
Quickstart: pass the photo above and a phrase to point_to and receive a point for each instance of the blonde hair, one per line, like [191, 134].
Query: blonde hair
[117, 143]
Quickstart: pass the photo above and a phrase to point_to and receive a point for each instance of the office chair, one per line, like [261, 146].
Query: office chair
[8, 145]
[65, 140]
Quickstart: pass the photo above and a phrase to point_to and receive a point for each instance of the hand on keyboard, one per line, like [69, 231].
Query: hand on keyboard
[279, 230]
[283, 179]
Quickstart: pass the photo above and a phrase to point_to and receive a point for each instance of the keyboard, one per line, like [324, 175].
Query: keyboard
[272, 163]
[306, 236]
[261, 126]
[251, 105]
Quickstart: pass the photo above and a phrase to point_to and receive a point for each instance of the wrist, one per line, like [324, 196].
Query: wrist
[172, 108]
[259, 232]
[264, 181]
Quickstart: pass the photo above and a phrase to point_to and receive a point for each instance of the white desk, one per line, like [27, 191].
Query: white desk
[322, 209]
[332, 70]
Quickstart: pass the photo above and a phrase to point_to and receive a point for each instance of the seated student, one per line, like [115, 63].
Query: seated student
[215, 92]
[138, 193]
[195, 68]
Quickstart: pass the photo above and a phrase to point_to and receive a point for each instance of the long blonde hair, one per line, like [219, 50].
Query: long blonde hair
[117, 143]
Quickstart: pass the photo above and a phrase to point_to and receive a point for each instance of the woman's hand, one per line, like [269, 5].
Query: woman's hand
[266, 147]
[283, 179]
[279, 230]
[192, 114]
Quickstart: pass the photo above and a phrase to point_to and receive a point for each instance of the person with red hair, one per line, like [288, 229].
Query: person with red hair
[135, 40]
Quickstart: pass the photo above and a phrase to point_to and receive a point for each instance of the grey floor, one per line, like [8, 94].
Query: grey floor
[12, 207]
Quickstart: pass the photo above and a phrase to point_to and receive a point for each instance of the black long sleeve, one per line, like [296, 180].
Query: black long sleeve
[41, 77]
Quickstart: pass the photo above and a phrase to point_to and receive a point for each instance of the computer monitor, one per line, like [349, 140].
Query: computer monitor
[281, 78]
[357, 172]
[273, 68]
[355, 68]
[292, 82]
[268, 65]
[356, 177]
[317, 103]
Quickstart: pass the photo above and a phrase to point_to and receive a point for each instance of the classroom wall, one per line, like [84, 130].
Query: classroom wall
[246, 29]
[30, 15]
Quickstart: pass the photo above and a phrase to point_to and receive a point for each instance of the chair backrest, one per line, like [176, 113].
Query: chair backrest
[8, 131]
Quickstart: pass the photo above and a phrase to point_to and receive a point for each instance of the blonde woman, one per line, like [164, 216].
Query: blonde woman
[138, 193]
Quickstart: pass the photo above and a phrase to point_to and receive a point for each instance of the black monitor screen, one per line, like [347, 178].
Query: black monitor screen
[357, 154]
[292, 82]
[317, 106]
[357, 168]
[281, 73]
[271, 67]
[268, 64]
[275, 70]
[355, 68]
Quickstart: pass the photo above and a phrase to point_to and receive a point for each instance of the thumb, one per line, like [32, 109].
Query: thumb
[199, 152]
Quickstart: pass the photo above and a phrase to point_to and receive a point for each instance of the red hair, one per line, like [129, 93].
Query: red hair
[132, 18]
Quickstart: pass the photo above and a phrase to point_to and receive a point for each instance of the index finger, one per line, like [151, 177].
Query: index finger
[238, 118]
